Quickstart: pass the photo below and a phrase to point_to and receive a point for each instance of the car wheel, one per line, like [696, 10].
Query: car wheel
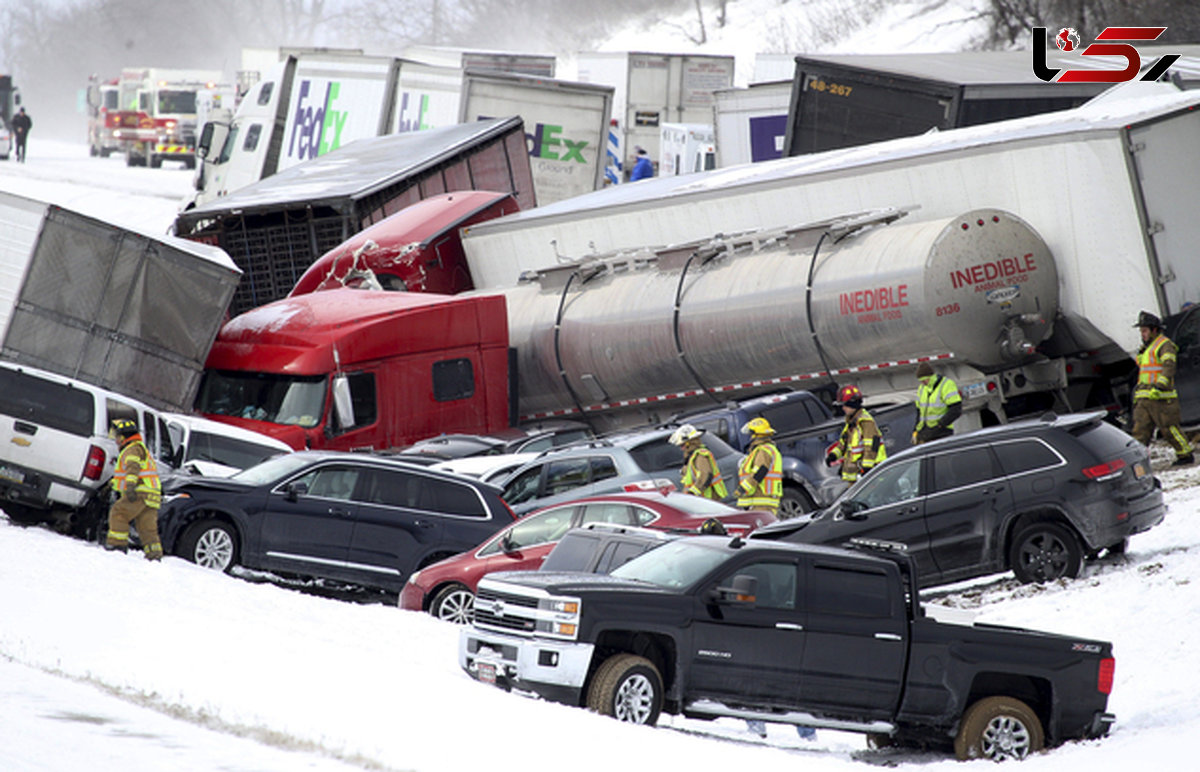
[999, 729]
[454, 603]
[795, 502]
[211, 544]
[628, 688]
[1043, 552]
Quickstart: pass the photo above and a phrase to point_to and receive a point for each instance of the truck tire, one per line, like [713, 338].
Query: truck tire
[1044, 552]
[795, 502]
[454, 603]
[999, 729]
[210, 543]
[628, 688]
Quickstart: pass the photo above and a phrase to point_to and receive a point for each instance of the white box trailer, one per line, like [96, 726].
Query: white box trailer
[540, 65]
[1110, 186]
[687, 148]
[751, 123]
[130, 312]
[654, 88]
[566, 124]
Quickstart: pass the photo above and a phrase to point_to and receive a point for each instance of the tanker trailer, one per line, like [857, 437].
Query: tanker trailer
[860, 299]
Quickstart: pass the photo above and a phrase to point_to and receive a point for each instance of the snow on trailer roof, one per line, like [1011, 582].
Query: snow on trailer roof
[357, 170]
[1104, 113]
[974, 68]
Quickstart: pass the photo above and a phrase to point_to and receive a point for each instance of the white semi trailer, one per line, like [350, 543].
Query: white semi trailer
[1110, 188]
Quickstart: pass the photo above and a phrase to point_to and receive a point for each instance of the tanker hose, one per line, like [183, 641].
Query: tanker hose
[675, 329]
[562, 372]
[808, 291]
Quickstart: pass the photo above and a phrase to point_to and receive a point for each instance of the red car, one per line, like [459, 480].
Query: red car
[447, 588]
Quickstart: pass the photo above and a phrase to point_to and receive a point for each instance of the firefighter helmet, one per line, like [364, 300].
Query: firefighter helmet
[122, 427]
[1147, 319]
[758, 426]
[850, 396]
[683, 434]
[713, 527]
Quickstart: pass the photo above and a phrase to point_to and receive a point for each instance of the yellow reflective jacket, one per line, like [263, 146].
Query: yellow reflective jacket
[137, 474]
[690, 477]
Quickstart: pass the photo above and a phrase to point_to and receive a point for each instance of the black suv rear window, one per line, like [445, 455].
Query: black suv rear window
[54, 405]
[1105, 440]
[1024, 455]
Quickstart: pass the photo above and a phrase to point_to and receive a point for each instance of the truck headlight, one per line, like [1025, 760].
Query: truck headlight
[558, 617]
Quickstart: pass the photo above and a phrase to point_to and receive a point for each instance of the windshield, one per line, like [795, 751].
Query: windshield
[279, 399]
[675, 565]
[228, 450]
[230, 143]
[176, 102]
[273, 469]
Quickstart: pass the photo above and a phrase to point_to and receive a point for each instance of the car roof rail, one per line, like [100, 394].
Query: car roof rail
[592, 443]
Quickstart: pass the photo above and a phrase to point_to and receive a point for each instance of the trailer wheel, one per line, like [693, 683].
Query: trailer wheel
[156, 162]
[628, 688]
[999, 729]
[1044, 552]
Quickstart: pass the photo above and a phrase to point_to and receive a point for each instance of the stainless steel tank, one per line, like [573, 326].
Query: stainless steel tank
[982, 286]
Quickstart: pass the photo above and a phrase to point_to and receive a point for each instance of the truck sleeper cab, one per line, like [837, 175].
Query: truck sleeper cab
[824, 637]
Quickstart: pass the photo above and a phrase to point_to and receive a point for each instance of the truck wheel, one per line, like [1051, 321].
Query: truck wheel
[156, 162]
[999, 729]
[1044, 552]
[211, 544]
[795, 502]
[628, 688]
[454, 603]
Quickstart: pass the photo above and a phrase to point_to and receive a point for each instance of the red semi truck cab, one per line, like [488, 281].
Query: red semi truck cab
[348, 369]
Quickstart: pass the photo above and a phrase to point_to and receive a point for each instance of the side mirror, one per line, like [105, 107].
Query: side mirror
[295, 490]
[852, 510]
[212, 140]
[506, 543]
[343, 406]
[742, 591]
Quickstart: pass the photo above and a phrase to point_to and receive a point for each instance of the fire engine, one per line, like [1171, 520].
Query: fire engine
[103, 117]
[157, 113]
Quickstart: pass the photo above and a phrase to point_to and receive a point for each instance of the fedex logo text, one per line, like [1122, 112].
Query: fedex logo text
[1067, 40]
[316, 125]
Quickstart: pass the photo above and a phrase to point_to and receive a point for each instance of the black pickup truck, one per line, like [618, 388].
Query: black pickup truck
[711, 626]
[804, 427]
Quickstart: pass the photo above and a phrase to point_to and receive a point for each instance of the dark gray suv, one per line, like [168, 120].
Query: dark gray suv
[1035, 496]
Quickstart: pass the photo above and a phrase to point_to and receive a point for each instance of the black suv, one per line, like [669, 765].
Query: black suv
[1036, 496]
[346, 517]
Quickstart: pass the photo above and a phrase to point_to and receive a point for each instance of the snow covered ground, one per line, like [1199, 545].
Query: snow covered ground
[108, 662]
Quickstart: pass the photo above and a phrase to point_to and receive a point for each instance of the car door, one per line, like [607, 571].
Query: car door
[524, 545]
[308, 520]
[886, 505]
[968, 497]
[397, 522]
[750, 651]
[857, 638]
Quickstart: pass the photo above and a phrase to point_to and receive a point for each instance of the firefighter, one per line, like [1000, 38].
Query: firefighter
[760, 474]
[1155, 401]
[700, 475]
[138, 492]
[938, 405]
[860, 446]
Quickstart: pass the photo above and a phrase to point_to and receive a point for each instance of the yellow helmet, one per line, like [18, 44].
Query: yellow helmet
[683, 434]
[758, 425]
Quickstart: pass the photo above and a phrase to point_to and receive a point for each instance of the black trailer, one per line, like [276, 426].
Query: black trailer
[853, 99]
[277, 227]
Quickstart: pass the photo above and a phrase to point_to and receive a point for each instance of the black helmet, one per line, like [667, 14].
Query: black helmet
[1147, 319]
[713, 527]
[122, 427]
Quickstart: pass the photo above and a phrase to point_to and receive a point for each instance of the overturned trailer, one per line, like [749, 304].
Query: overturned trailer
[1110, 188]
[133, 313]
[277, 227]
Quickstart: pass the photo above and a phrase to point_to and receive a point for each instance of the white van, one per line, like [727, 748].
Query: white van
[200, 446]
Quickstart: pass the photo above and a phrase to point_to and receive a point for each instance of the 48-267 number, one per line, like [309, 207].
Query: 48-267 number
[837, 89]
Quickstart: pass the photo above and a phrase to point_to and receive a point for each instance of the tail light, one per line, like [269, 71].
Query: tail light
[661, 485]
[1104, 679]
[1106, 471]
[94, 467]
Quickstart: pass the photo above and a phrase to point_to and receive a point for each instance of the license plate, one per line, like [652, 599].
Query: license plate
[487, 672]
[1139, 471]
[973, 390]
[14, 475]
